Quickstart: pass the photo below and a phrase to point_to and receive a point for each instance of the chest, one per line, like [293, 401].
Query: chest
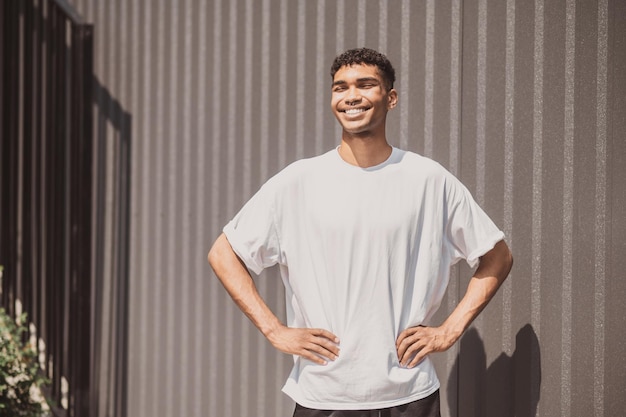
[368, 206]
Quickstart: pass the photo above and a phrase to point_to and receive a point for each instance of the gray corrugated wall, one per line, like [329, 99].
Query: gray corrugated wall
[524, 100]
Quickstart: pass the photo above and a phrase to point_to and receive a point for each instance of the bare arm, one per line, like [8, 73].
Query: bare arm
[317, 345]
[493, 269]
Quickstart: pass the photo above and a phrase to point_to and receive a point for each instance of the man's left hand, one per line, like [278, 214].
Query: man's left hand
[414, 343]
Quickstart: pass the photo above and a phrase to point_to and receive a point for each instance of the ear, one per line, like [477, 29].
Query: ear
[392, 98]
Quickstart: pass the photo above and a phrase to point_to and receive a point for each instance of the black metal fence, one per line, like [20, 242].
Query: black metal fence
[47, 189]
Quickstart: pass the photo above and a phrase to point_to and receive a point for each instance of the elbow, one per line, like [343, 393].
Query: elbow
[214, 255]
[497, 262]
[221, 255]
[507, 261]
[510, 263]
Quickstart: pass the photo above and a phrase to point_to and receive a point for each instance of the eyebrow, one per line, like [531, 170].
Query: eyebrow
[359, 80]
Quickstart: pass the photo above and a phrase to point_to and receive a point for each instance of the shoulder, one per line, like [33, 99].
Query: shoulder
[299, 170]
[423, 166]
[425, 172]
[306, 165]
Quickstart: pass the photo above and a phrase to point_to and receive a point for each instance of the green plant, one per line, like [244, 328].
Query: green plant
[20, 377]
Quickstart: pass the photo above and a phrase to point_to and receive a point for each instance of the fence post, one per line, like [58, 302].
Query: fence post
[81, 207]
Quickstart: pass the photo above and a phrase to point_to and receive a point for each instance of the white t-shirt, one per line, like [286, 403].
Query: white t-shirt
[364, 253]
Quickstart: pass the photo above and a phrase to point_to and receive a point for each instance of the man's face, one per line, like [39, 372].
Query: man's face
[360, 100]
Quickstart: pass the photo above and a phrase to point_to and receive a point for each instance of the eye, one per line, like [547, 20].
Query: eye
[338, 88]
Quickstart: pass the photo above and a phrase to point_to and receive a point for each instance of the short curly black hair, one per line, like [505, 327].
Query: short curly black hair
[366, 56]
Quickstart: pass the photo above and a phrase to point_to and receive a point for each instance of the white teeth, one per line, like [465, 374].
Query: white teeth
[354, 111]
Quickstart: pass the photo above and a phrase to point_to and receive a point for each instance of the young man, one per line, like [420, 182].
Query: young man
[364, 236]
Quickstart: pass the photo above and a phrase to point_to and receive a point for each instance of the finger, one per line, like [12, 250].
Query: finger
[325, 334]
[405, 334]
[327, 346]
[405, 344]
[401, 351]
[325, 339]
[405, 356]
[417, 359]
[410, 355]
[408, 351]
[306, 354]
[317, 353]
[322, 351]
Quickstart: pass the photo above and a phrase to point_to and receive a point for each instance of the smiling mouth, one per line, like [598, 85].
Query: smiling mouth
[355, 111]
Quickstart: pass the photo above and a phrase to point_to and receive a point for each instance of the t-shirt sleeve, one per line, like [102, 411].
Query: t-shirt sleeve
[252, 232]
[470, 233]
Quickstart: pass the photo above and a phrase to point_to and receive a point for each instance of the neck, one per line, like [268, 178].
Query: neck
[364, 152]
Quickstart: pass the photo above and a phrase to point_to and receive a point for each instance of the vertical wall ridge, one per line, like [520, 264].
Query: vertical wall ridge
[600, 210]
[568, 200]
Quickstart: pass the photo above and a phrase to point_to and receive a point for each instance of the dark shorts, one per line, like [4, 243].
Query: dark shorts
[426, 407]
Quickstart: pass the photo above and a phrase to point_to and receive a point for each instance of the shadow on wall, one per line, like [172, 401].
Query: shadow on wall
[112, 169]
[509, 387]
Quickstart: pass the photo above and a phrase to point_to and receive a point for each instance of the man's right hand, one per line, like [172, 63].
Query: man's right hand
[316, 345]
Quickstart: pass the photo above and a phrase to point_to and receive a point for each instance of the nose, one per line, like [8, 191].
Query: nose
[352, 96]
